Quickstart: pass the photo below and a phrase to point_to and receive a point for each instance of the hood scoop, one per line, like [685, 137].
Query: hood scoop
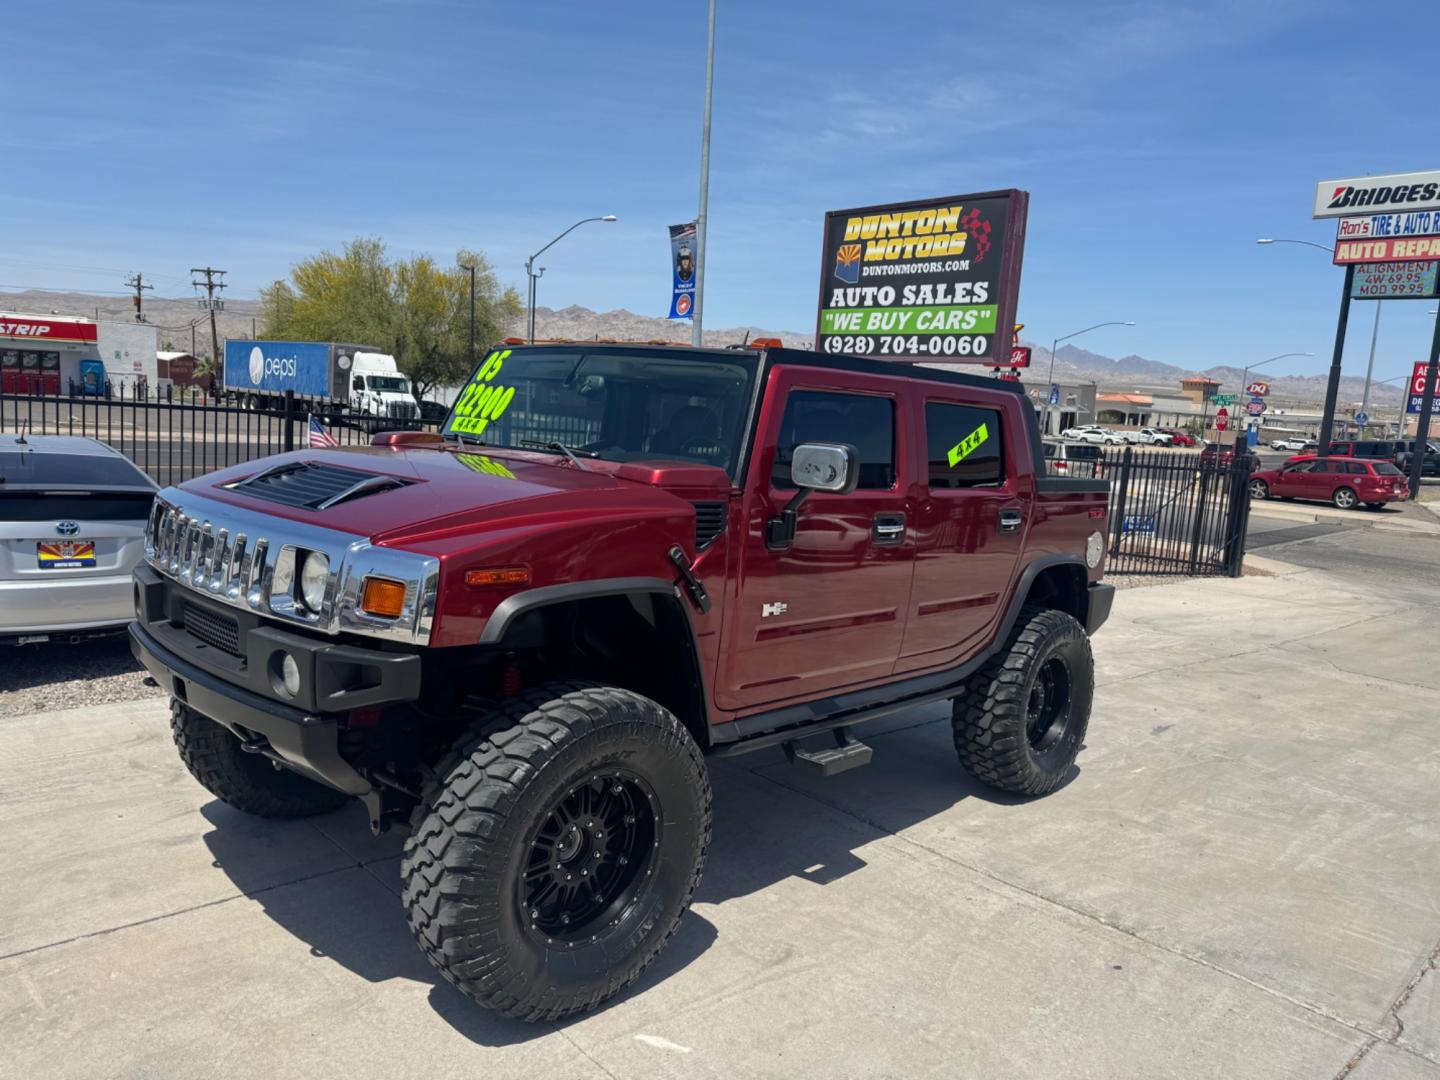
[312, 485]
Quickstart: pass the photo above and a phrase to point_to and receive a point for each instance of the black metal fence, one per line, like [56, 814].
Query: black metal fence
[186, 433]
[1177, 512]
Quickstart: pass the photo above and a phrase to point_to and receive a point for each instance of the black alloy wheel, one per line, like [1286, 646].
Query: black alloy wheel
[590, 856]
[1048, 706]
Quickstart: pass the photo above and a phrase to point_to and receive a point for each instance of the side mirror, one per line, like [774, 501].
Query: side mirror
[833, 467]
[829, 467]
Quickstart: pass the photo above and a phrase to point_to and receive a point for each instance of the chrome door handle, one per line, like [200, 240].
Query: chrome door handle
[887, 529]
[1010, 521]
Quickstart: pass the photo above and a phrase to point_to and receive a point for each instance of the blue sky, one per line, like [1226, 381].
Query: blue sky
[1157, 142]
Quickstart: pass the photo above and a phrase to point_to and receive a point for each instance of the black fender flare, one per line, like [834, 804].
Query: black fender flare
[1033, 570]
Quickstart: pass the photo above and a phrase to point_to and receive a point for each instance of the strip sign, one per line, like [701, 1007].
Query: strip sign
[937, 278]
[1399, 192]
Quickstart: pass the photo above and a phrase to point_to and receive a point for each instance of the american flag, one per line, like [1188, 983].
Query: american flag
[320, 439]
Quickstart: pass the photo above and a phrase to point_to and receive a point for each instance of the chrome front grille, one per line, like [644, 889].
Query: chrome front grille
[231, 554]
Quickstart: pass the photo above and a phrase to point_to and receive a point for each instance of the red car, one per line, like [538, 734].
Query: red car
[1346, 482]
[1177, 437]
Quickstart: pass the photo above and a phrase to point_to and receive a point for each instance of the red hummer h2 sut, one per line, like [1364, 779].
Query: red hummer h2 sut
[522, 636]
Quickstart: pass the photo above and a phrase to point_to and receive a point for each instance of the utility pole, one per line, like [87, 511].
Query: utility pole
[211, 284]
[1332, 387]
[138, 284]
[192, 339]
[702, 218]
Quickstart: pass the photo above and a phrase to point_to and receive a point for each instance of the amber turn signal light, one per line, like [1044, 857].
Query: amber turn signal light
[506, 575]
[382, 597]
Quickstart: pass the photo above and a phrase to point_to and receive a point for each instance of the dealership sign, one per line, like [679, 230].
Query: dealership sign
[1397, 193]
[935, 279]
[1388, 249]
[1417, 391]
[1395, 281]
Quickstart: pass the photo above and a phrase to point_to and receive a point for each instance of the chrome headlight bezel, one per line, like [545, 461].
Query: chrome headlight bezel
[314, 580]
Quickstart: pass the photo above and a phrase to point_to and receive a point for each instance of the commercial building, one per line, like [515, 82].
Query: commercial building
[47, 354]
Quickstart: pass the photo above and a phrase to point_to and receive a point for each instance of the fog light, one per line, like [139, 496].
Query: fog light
[285, 676]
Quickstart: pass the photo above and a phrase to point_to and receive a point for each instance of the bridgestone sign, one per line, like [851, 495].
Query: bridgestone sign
[934, 280]
[1397, 193]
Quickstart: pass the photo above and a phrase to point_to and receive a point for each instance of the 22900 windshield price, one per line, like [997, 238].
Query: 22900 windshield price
[913, 345]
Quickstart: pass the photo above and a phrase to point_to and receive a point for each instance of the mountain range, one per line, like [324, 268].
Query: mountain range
[175, 317]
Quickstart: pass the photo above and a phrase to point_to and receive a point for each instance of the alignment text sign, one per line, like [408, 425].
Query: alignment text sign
[932, 279]
[1394, 281]
[1398, 193]
[1388, 249]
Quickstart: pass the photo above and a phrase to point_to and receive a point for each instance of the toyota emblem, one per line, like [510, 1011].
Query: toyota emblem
[67, 528]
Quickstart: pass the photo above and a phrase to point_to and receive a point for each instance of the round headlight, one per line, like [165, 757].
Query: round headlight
[314, 576]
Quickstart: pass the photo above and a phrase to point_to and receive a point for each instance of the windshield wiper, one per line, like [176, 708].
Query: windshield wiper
[460, 439]
[574, 453]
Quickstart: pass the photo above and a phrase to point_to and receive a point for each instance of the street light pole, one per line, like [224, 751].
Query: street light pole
[1370, 367]
[1245, 377]
[703, 215]
[471, 268]
[530, 268]
[1054, 344]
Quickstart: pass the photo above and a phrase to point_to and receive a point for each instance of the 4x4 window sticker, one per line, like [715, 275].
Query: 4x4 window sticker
[971, 442]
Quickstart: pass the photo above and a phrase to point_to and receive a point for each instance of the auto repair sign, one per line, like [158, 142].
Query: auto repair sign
[1397, 193]
[934, 279]
[1417, 390]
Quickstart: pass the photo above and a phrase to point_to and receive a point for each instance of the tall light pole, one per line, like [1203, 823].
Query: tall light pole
[1054, 344]
[530, 267]
[471, 268]
[1245, 375]
[701, 217]
[1374, 332]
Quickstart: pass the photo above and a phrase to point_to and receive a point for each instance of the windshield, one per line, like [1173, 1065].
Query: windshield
[615, 404]
[388, 382]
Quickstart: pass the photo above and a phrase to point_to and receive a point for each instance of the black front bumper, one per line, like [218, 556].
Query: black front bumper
[1100, 599]
[239, 689]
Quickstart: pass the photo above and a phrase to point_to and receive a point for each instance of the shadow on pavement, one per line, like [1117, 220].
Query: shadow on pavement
[768, 828]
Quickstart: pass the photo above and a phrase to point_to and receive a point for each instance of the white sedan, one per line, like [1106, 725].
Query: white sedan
[72, 528]
[1287, 444]
[1094, 434]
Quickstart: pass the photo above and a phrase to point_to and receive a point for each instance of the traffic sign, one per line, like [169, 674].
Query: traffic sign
[1256, 407]
[1225, 399]
[1258, 388]
[1362, 418]
[1222, 420]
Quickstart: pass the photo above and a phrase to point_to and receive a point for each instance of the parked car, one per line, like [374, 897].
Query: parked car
[433, 412]
[1404, 455]
[1094, 434]
[1178, 437]
[1346, 482]
[560, 622]
[1379, 449]
[1287, 444]
[72, 529]
[1068, 458]
[1156, 436]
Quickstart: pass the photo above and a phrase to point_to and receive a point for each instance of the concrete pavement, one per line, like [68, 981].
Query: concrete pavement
[1218, 891]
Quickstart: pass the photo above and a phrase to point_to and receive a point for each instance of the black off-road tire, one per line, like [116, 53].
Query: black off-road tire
[993, 720]
[248, 782]
[470, 866]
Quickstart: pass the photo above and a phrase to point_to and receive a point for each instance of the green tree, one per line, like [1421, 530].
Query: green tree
[414, 309]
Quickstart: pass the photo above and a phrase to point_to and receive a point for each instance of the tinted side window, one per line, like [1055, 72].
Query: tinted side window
[866, 423]
[963, 446]
[1354, 468]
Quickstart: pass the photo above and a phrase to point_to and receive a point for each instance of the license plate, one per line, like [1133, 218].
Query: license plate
[65, 554]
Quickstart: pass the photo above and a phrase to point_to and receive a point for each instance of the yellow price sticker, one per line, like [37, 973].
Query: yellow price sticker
[483, 400]
[968, 445]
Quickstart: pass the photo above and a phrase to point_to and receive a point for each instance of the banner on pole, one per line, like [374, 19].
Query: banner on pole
[682, 265]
